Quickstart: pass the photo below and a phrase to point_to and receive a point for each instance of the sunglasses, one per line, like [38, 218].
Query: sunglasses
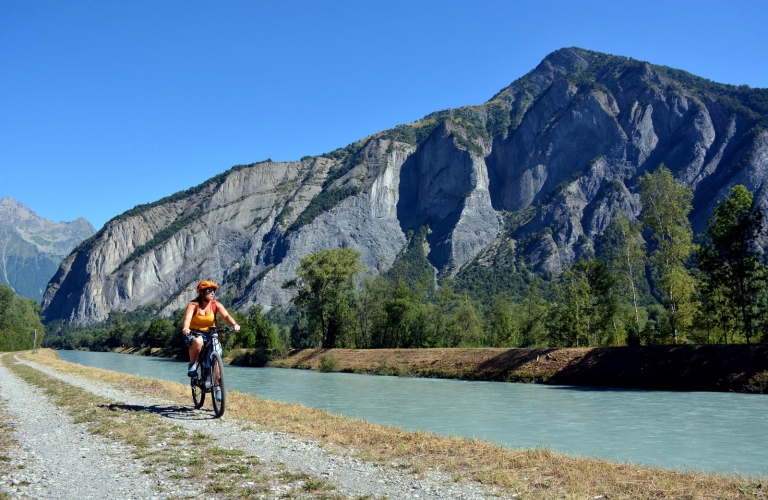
[209, 290]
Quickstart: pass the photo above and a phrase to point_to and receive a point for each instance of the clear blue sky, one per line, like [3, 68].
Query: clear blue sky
[108, 104]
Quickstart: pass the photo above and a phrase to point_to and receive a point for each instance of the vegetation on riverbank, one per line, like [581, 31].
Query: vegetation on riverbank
[19, 319]
[723, 368]
[733, 368]
[645, 282]
[535, 473]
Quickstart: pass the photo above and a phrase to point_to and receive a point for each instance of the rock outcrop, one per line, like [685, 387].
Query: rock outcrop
[32, 248]
[559, 152]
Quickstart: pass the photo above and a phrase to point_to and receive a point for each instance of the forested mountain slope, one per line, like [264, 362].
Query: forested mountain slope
[529, 179]
[31, 247]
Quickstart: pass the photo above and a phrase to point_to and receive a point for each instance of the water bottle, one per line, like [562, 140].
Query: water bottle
[217, 344]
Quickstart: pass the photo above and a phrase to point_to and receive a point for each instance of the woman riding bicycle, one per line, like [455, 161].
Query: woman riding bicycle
[201, 316]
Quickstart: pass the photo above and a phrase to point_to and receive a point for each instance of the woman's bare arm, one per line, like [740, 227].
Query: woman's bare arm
[224, 314]
[188, 317]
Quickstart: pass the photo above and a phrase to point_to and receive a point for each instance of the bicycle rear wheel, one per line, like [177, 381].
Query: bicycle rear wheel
[217, 367]
[198, 394]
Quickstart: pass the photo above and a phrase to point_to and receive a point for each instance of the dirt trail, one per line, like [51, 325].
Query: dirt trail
[56, 458]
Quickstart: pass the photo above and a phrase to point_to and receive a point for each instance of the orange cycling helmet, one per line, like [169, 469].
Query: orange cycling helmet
[206, 284]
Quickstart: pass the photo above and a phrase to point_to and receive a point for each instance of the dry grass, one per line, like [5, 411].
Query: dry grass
[533, 473]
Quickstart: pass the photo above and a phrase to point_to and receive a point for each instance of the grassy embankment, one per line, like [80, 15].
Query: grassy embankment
[734, 368]
[738, 368]
[536, 473]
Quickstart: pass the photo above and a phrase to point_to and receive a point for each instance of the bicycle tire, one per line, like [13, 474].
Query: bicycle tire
[218, 406]
[198, 394]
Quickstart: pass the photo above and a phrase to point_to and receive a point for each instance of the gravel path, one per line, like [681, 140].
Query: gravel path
[52, 448]
[58, 459]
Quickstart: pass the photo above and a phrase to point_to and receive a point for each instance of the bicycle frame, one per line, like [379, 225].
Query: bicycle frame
[210, 372]
[211, 344]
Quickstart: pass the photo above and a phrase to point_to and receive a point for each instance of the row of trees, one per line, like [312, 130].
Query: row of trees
[19, 319]
[647, 283]
[256, 331]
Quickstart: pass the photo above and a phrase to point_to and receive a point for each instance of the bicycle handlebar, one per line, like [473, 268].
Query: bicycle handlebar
[197, 333]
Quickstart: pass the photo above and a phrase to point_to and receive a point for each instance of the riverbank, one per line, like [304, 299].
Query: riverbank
[729, 368]
[155, 417]
[735, 368]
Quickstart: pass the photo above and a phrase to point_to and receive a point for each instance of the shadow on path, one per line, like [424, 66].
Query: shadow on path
[174, 412]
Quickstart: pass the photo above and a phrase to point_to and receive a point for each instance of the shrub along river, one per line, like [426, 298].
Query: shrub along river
[706, 431]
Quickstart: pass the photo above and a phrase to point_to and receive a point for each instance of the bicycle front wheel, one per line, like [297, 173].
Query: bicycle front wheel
[218, 394]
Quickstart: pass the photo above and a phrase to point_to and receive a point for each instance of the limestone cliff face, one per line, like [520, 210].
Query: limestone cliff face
[559, 151]
[31, 247]
[583, 142]
[205, 233]
[444, 186]
[367, 223]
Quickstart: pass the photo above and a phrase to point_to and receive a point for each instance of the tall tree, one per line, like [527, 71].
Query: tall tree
[326, 283]
[603, 304]
[19, 318]
[368, 309]
[732, 259]
[533, 331]
[465, 325]
[568, 319]
[623, 249]
[442, 308]
[666, 205]
[503, 329]
[584, 308]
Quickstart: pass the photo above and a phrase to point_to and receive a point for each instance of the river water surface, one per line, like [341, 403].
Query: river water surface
[706, 431]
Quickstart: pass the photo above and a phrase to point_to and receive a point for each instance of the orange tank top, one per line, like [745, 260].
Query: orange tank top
[203, 322]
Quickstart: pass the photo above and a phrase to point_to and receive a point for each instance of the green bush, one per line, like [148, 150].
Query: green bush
[329, 364]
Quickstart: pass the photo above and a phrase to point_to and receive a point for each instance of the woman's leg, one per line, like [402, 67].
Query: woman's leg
[194, 349]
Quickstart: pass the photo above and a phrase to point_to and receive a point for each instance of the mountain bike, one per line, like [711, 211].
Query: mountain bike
[210, 372]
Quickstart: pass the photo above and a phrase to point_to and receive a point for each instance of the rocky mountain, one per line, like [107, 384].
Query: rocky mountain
[532, 177]
[31, 248]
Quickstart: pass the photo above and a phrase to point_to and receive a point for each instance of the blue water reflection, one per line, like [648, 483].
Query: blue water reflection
[699, 430]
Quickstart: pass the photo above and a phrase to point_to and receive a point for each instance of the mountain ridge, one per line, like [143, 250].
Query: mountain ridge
[32, 247]
[559, 149]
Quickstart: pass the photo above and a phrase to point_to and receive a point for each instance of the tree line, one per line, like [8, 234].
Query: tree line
[145, 331]
[645, 282]
[19, 319]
